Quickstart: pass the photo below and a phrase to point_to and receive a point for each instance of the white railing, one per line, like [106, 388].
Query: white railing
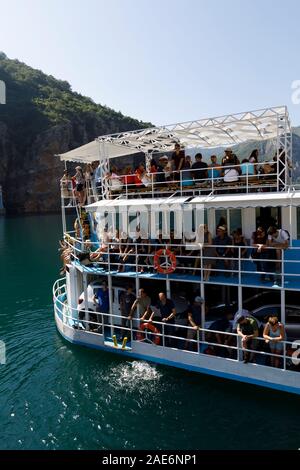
[215, 180]
[141, 257]
[204, 342]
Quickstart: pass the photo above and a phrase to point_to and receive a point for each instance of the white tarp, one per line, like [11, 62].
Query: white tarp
[204, 133]
[222, 201]
[94, 151]
[104, 203]
[281, 199]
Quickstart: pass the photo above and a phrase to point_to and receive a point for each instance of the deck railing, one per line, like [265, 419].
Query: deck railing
[229, 264]
[201, 341]
[221, 179]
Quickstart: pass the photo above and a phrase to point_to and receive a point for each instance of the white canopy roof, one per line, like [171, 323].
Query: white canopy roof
[105, 204]
[280, 199]
[269, 199]
[204, 133]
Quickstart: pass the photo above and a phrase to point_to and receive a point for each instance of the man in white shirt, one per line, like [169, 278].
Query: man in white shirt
[279, 239]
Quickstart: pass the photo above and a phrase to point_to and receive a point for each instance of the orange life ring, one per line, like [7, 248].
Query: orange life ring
[148, 326]
[169, 265]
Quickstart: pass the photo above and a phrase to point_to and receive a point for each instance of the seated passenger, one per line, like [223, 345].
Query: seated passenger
[161, 174]
[129, 177]
[186, 174]
[274, 336]
[114, 180]
[229, 155]
[214, 170]
[247, 170]
[97, 255]
[254, 159]
[199, 169]
[231, 170]
[141, 177]
[247, 329]
[127, 255]
[153, 166]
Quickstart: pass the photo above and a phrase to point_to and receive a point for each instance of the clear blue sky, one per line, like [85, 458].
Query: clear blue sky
[162, 60]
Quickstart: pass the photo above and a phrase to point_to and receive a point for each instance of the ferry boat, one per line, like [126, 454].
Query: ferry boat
[147, 232]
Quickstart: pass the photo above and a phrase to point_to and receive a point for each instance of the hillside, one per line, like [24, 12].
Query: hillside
[43, 117]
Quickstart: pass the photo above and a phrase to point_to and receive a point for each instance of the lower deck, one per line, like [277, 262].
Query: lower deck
[193, 354]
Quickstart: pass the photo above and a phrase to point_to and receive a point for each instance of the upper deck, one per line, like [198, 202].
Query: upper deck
[143, 163]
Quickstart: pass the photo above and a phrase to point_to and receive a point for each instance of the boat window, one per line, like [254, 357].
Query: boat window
[235, 219]
[268, 216]
[221, 217]
[230, 217]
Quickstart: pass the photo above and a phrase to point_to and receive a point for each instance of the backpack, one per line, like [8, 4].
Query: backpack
[288, 234]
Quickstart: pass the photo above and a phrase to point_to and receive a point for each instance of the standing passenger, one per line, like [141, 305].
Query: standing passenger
[178, 161]
[168, 312]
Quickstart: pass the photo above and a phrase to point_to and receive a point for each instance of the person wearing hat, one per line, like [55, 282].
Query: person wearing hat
[194, 314]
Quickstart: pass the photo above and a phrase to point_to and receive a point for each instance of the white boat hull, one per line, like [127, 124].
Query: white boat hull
[256, 374]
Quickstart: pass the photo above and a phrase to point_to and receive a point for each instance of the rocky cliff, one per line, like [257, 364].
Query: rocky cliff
[43, 117]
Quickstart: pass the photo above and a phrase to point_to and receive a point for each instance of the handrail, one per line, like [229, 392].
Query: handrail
[190, 180]
[194, 261]
[57, 288]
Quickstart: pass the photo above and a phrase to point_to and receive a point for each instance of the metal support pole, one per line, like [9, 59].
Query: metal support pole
[110, 307]
[86, 314]
[202, 294]
[240, 297]
[63, 215]
[240, 266]
[168, 287]
[282, 319]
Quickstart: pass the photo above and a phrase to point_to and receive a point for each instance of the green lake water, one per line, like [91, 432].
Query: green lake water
[57, 396]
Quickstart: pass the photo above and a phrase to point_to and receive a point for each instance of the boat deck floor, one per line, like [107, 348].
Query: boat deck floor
[251, 278]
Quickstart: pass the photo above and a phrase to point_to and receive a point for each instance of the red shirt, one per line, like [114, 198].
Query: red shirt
[138, 174]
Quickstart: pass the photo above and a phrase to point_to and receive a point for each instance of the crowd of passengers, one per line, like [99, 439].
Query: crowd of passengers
[140, 309]
[220, 253]
[168, 171]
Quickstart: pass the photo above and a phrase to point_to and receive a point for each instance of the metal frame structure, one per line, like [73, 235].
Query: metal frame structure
[223, 131]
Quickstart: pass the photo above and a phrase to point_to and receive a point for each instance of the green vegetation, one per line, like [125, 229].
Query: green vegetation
[36, 101]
